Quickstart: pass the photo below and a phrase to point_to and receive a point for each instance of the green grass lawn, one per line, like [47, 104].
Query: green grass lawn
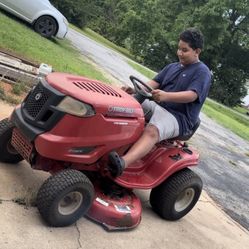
[229, 112]
[229, 121]
[17, 37]
[240, 109]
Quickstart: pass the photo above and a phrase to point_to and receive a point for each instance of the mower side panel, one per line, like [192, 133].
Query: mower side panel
[156, 167]
[97, 135]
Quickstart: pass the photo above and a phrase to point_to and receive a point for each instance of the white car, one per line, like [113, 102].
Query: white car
[44, 17]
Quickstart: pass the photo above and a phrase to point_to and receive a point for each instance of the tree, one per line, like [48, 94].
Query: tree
[225, 26]
[228, 48]
[77, 12]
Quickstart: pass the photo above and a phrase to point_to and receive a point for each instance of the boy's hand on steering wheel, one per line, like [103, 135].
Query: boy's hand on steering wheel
[158, 95]
[128, 89]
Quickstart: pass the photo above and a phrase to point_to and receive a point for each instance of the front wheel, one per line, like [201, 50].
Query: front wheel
[7, 152]
[65, 197]
[176, 196]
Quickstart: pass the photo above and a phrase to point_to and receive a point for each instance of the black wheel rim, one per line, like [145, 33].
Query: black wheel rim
[45, 27]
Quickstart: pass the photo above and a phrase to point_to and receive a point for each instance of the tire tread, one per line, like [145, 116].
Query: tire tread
[57, 184]
[6, 127]
[163, 197]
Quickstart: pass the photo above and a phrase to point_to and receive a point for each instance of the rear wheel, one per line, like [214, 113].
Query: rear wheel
[46, 26]
[175, 197]
[7, 152]
[65, 197]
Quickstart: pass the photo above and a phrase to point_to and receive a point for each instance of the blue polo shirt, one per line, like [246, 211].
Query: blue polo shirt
[175, 78]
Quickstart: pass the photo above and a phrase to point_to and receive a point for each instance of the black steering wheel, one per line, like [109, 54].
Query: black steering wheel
[143, 92]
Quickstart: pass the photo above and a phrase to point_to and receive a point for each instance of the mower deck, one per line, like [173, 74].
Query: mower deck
[114, 207]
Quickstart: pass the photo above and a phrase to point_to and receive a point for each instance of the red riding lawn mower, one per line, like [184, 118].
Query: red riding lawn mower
[68, 125]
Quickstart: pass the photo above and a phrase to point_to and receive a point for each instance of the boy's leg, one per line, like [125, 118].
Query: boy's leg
[143, 146]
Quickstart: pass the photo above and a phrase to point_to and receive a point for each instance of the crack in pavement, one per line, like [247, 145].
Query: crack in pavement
[78, 230]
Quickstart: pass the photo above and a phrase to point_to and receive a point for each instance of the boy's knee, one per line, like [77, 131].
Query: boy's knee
[152, 132]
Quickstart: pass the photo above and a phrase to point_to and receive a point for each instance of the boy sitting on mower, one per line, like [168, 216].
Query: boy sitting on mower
[178, 93]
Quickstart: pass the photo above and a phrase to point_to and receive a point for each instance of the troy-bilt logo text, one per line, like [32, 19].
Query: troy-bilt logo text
[120, 109]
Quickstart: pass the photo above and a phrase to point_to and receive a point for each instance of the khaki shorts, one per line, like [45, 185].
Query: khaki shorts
[165, 122]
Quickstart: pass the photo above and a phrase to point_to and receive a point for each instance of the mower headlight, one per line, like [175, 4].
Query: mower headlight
[75, 107]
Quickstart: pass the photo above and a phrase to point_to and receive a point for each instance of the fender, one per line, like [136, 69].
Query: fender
[46, 13]
[157, 166]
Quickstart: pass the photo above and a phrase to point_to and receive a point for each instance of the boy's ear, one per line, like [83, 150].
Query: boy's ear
[198, 51]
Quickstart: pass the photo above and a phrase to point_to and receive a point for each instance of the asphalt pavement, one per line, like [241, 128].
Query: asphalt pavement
[113, 62]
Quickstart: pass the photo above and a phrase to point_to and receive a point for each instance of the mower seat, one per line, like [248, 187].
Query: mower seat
[188, 134]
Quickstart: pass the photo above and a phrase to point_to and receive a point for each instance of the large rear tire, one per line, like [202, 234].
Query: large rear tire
[65, 197]
[7, 152]
[176, 196]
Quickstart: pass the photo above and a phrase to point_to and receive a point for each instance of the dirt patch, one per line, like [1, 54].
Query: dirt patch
[12, 93]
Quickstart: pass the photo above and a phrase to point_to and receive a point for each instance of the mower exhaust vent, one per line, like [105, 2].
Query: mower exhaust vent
[96, 88]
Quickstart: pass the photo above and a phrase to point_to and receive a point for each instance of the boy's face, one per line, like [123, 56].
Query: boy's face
[186, 54]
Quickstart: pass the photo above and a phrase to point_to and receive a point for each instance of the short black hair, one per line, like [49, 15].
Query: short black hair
[193, 37]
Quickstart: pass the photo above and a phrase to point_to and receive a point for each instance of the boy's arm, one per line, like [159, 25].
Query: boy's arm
[176, 97]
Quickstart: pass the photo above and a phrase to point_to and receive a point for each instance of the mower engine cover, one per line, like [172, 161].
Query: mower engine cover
[92, 118]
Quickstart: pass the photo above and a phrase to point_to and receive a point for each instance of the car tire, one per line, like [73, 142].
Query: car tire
[65, 197]
[176, 196]
[46, 26]
[7, 152]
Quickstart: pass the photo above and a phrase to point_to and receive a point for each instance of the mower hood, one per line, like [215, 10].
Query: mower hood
[105, 99]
